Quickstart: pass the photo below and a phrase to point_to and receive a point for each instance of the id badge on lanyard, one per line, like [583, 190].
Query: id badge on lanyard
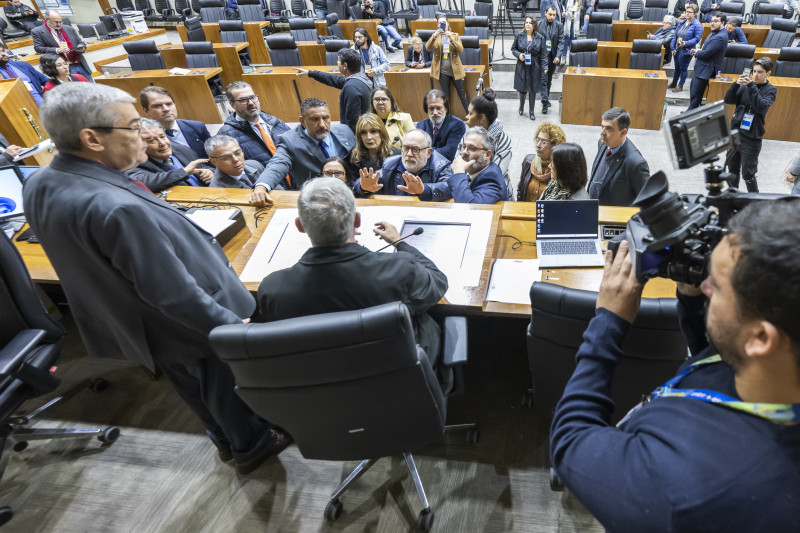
[747, 121]
[549, 45]
[527, 58]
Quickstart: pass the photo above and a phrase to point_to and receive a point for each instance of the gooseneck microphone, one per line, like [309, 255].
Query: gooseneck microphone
[417, 231]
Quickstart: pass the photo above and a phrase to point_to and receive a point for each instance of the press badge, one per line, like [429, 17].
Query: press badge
[446, 52]
[549, 45]
[747, 121]
[28, 86]
[527, 59]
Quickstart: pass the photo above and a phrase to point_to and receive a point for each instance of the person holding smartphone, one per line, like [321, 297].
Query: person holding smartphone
[752, 94]
[687, 35]
[446, 66]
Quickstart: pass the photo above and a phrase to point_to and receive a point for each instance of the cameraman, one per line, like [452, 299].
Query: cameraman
[682, 463]
[385, 27]
[752, 97]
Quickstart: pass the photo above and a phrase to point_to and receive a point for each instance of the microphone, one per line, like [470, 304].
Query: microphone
[417, 231]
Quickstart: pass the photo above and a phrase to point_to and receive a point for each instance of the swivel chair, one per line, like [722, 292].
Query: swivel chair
[655, 10]
[303, 29]
[608, 6]
[767, 13]
[472, 50]
[583, 52]
[379, 392]
[600, 25]
[7, 32]
[788, 63]
[144, 55]
[484, 8]
[427, 8]
[425, 35]
[283, 50]
[167, 13]
[737, 58]
[232, 31]
[147, 10]
[194, 29]
[781, 33]
[251, 11]
[332, 47]
[732, 9]
[332, 23]
[635, 10]
[646, 54]
[478, 26]
[212, 10]
[202, 55]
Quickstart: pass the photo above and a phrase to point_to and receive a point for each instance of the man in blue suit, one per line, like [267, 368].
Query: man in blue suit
[709, 59]
[158, 104]
[33, 79]
[445, 129]
[475, 179]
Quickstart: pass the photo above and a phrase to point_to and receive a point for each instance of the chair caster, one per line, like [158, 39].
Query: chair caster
[333, 510]
[6, 514]
[21, 445]
[99, 385]
[425, 520]
[555, 482]
[110, 434]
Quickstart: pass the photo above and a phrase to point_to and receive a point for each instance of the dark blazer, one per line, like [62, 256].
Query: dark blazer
[693, 34]
[426, 55]
[251, 143]
[354, 96]
[158, 176]
[449, 135]
[539, 63]
[737, 36]
[489, 187]
[680, 7]
[709, 59]
[252, 169]
[43, 42]
[196, 134]
[332, 278]
[301, 157]
[627, 174]
[751, 98]
[433, 175]
[141, 279]
[38, 79]
[554, 32]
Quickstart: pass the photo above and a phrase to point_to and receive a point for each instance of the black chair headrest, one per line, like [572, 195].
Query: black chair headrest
[784, 24]
[600, 17]
[656, 3]
[231, 25]
[770, 9]
[470, 41]
[198, 47]
[607, 4]
[740, 50]
[301, 24]
[583, 45]
[646, 46]
[334, 45]
[140, 47]
[425, 35]
[480, 22]
[730, 7]
[212, 3]
[331, 19]
[193, 23]
[249, 2]
[281, 41]
[789, 53]
[427, 2]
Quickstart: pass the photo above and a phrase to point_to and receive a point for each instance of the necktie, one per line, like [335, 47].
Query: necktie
[608, 152]
[140, 184]
[170, 133]
[267, 139]
[324, 149]
[435, 130]
[190, 179]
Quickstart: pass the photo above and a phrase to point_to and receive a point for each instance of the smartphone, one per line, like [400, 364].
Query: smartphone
[746, 73]
[443, 26]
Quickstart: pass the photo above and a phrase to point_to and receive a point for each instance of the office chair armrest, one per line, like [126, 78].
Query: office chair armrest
[286, 14]
[187, 12]
[13, 353]
[454, 342]
[111, 10]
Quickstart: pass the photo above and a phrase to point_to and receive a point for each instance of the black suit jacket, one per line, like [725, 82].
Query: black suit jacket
[43, 42]
[196, 134]
[158, 176]
[627, 174]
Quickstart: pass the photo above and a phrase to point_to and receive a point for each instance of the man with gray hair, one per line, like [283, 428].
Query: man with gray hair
[665, 34]
[338, 274]
[141, 280]
[476, 179]
[54, 37]
[233, 170]
[416, 171]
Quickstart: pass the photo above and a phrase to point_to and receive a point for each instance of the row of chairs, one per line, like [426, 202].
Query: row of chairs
[145, 55]
[740, 56]
[762, 11]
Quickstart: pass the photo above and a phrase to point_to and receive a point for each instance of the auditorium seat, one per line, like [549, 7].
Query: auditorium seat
[283, 50]
[303, 29]
[212, 10]
[788, 63]
[608, 6]
[472, 50]
[478, 26]
[194, 29]
[646, 54]
[202, 55]
[427, 8]
[732, 9]
[583, 52]
[232, 31]
[600, 26]
[767, 13]
[635, 10]
[144, 55]
[737, 58]
[332, 23]
[655, 10]
[781, 33]
[251, 11]
[332, 47]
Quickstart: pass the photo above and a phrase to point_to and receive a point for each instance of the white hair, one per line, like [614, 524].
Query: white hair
[327, 210]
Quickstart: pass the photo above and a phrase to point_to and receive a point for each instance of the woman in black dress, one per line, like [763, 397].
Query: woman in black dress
[532, 59]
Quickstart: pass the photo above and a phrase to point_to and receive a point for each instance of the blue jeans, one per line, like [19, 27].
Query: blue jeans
[389, 31]
[682, 60]
[78, 69]
[321, 13]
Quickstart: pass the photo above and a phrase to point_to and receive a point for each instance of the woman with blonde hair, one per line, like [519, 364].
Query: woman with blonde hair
[373, 145]
[384, 105]
[418, 56]
[536, 167]
[446, 66]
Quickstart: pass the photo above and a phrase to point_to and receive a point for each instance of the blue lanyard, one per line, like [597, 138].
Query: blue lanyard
[778, 413]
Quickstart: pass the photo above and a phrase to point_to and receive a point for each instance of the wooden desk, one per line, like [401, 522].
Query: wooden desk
[484, 44]
[33, 59]
[754, 34]
[282, 90]
[227, 54]
[456, 25]
[781, 120]
[771, 53]
[191, 93]
[350, 26]
[628, 30]
[255, 38]
[311, 53]
[410, 85]
[642, 96]
[15, 124]
[616, 54]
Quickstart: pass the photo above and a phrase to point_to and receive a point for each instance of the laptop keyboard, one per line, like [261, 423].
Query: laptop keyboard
[568, 247]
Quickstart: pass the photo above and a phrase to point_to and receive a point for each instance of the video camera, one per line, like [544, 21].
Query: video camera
[673, 236]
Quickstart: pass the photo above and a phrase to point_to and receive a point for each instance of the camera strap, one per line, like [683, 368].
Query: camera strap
[778, 413]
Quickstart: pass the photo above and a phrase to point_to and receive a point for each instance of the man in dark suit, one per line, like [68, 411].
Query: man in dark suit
[168, 165]
[475, 179]
[25, 16]
[233, 170]
[33, 79]
[158, 104]
[141, 279]
[331, 275]
[709, 59]
[619, 171]
[54, 37]
[445, 129]
[552, 29]
[302, 151]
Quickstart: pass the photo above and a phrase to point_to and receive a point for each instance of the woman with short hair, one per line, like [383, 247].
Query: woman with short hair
[418, 56]
[535, 175]
[383, 104]
[56, 68]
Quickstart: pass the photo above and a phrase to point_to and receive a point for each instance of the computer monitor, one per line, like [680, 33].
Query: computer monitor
[11, 180]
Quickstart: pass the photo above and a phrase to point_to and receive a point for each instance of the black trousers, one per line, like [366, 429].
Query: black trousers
[743, 162]
[445, 81]
[551, 69]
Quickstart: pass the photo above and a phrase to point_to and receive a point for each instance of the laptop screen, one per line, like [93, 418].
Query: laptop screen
[10, 192]
[566, 219]
[27, 171]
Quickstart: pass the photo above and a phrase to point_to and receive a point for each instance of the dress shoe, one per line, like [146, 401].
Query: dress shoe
[275, 444]
[532, 116]
[677, 89]
[397, 44]
[521, 111]
[545, 107]
[390, 50]
[672, 85]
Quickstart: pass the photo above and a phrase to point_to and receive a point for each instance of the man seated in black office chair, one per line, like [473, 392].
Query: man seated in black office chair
[338, 274]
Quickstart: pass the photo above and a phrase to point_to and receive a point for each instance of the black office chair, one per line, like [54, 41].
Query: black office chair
[781, 33]
[194, 29]
[212, 10]
[737, 58]
[29, 347]
[472, 50]
[788, 63]
[346, 386]
[332, 47]
[767, 13]
[202, 55]
[147, 10]
[655, 10]
[93, 30]
[646, 54]
[484, 8]
[608, 6]
[7, 32]
[425, 35]
[144, 55]
[232, 31]
[277, 12]
[300, 9]
[477, 26]
[583, 52]
[600, 25]
[635, 10]
[332, 23]
[251, 11]
[184, 8]
[303, 29]
[114, 24]
[283, 50]
[354, 9]
[732, 9]
[124, 5]
[427, 8]
[167, 13]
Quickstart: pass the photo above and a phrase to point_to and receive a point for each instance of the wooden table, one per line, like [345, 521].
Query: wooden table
[484, 44]
[311, 53]
[409, 87]
[255, 38]
[227, 54]
[616, 54]
[771, 53]
[754, 34]
[628, 30]
[781, 120]
[191, 93]
[456, 25]
[349, 26]
[281, 91]
[585, 97]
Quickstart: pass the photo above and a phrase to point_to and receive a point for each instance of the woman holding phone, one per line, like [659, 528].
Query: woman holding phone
[530, 74]
[446, 67]
[687, 35]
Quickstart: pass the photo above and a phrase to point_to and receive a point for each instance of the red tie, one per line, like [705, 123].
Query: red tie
[608, 152]
[140, 184]
[435, 130]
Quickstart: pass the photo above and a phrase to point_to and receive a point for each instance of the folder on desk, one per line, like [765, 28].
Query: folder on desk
[223, 224]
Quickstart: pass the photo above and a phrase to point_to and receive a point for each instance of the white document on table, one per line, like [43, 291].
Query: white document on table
[214, 221]
[512, 279]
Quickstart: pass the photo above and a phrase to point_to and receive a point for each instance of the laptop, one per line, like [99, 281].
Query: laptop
[566, 233]
[11, 180]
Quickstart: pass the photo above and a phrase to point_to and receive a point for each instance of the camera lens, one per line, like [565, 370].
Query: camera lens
[660, 210]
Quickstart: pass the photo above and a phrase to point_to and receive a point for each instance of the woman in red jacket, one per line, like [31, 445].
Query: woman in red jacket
[56, 68]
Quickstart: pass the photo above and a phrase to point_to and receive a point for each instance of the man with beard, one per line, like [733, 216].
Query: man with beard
[32, 78]
[445, 129]
[717, 447]
[418, 171]
[553, 32]
[475, 179]
[302, 151]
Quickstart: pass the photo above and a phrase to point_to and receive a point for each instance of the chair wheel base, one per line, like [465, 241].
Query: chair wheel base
[425, 520]
[333, 510]
[109, 435]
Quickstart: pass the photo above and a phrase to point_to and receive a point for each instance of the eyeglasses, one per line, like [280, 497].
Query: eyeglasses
[137, 129]
[470, 148]
[411, 149]
[333, 174]
[380, 100]
[230, 157]
[247, 99]
[542, 142]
